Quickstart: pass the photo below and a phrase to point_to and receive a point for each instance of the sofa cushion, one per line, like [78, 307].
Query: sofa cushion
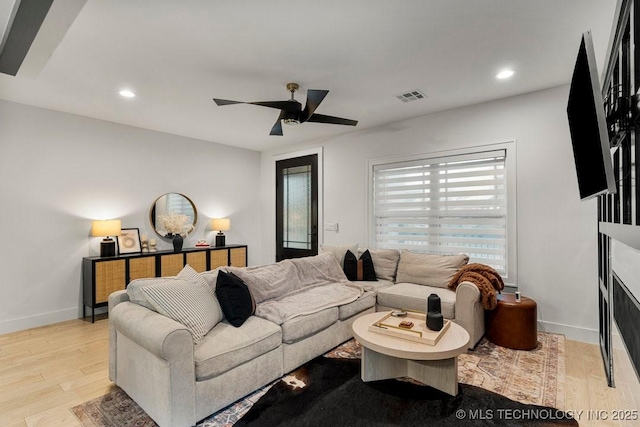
[269, 281]
[226, 347]
[385, 262]
[211, 277]
[366, 300]
[414, 297]
[319, 269]
[339, 251]
[429, 269]
[186, 302]
[309, 300]
[304, 326]
[359, 269]
[376, 286]
[235, 299]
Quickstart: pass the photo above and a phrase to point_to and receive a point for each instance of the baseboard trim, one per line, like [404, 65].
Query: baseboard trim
[29, 322]
[571, 332]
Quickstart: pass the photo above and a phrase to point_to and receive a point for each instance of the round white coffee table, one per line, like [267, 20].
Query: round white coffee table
[385, 356]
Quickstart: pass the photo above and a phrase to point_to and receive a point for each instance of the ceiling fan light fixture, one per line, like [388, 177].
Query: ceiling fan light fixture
[291, 121]
[291, 118]
[291, 112]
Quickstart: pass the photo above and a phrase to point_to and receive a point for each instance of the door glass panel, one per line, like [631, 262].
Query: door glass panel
[297, 207]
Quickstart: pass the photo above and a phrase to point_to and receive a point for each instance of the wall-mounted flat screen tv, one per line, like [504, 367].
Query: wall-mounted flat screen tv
[588, 126]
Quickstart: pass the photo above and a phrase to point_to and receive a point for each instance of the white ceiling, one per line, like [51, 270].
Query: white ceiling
[177, 55]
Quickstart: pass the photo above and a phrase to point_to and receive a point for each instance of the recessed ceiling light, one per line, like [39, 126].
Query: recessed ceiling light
[127, 93]
[505, 74]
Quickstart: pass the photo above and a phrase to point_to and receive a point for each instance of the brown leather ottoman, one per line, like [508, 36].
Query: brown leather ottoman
[513, 324]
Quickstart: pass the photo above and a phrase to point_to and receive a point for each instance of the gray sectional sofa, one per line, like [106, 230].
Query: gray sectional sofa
[181, 371]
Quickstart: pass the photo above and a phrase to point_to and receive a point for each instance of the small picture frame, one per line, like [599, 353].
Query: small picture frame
[129, 241]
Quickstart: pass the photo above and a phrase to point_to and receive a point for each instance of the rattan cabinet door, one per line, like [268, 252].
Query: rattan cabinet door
[238, 257]
[170, 265]
[218, 258]
[140, 268]
[197, 260]
[110, 277]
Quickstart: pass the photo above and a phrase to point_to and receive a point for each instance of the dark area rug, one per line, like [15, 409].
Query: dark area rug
[329, 392]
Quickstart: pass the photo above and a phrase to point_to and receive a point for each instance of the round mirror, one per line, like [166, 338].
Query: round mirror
[173, 213]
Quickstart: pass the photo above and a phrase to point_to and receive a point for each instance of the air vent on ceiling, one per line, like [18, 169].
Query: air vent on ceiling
[412, 95]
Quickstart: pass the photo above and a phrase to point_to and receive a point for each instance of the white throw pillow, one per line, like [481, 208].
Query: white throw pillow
[429, 269]
[186, 302]
[385, 262]
[339, 251]
[211, 277]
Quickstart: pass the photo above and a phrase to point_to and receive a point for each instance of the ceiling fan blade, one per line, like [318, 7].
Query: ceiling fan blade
[221, 102]
[314, 98]
[321, 118]
[289, 106]
[277, 127]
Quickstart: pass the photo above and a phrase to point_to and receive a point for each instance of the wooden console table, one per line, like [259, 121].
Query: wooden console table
[102, 276]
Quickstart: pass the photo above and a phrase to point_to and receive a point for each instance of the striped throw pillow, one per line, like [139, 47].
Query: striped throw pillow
[186, 302]
[190, 274]
[134, 289]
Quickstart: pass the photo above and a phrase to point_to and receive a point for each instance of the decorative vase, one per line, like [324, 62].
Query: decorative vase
[435, 321]
[433, 303]
[177, 242]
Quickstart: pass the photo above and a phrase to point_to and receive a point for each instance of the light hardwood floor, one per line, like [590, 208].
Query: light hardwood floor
[45, 371]
[587, 393]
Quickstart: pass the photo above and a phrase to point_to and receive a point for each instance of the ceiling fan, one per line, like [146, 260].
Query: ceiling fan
[291, 111]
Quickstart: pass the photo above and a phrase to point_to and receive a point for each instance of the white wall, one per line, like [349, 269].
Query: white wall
[59, 171]
[557, 245]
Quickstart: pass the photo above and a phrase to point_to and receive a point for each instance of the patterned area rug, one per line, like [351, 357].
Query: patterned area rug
[532, 377]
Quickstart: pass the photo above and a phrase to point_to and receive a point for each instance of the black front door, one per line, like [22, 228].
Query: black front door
[297, 207]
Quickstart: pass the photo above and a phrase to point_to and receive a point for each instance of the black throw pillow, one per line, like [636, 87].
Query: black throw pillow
[359, 269]
[235, 299]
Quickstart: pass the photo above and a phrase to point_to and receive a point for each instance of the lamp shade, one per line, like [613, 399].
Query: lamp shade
[106, 228]
[221, 224]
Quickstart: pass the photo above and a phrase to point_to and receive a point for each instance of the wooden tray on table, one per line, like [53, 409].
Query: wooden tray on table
[389, 325]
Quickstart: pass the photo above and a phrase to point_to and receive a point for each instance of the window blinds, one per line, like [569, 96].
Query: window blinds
[445, 205]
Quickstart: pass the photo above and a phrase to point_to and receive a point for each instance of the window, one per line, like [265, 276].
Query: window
[447, 205]
[179, 204]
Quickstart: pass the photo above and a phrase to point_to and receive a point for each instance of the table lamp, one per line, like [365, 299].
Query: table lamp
[106, 228]
[220, 224]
